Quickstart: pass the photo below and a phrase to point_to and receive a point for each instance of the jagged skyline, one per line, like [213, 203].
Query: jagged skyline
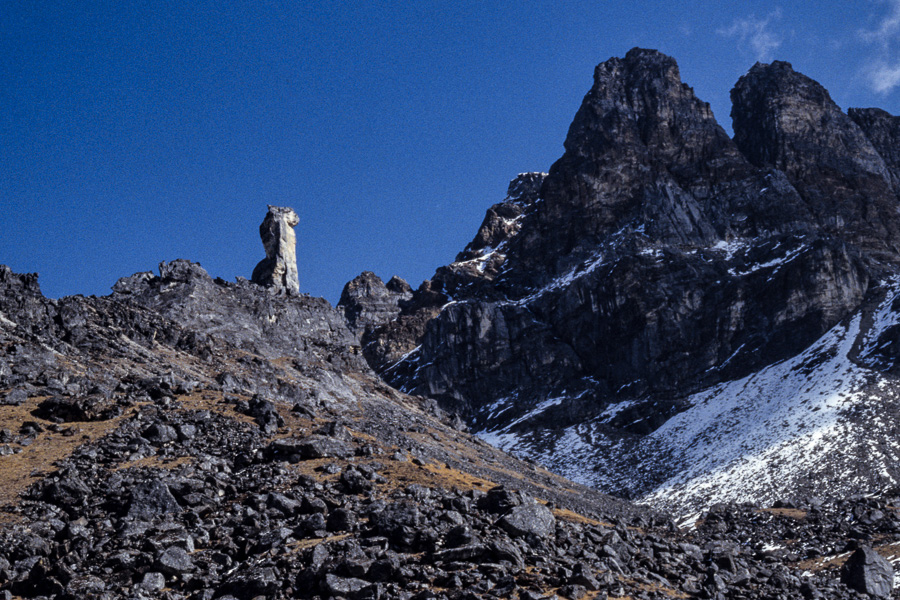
[134, 136]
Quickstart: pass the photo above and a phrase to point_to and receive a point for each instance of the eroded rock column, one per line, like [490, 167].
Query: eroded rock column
[279, 268]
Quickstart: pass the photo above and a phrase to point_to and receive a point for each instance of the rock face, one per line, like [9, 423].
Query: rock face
[279, 268]
[262, 323]
[785, 120]
[868, 572]
[883, 130]
[658, 261]
[368, 302]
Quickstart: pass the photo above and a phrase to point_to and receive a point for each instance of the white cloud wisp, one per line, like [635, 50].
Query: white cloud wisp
[883, 70]
[755, 35]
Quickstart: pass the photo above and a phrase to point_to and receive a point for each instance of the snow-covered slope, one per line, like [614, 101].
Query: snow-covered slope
[785, 431]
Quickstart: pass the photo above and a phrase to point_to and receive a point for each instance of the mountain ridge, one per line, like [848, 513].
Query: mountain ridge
[658, 259]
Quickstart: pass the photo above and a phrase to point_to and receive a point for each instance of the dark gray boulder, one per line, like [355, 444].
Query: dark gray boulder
[868, 572]
[314, 446]
[14, 398]
[174, 561]
[152, 499]
[529, 519]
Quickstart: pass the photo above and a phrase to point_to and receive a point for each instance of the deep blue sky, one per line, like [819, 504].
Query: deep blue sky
[134, 132]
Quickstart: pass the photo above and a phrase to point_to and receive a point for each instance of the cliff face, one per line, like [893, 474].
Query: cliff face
[658, 259]
[785, 120]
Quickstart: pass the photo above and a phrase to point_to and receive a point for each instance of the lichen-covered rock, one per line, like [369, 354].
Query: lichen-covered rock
[279, 268]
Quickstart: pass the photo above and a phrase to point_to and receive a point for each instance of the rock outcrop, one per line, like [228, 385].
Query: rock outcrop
[657, 260]
[368, 302]
[883, 130]
[279, 268]
[785, 120]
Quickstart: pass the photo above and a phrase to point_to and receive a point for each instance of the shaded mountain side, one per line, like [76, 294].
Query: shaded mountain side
[656, 260]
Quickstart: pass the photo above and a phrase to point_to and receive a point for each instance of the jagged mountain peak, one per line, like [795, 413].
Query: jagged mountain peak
[660, 260]
[778, 112]
[786, 120]
[502, 221]
[638, 105]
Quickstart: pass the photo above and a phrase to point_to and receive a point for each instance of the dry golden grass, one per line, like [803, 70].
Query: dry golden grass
[308, 467]
[889, 551]
[655, 588]
[313, 542]
[573, 517]
[463, 447]
[792, 513]
[155, 462]
[402, 473]
[823, 563]
[212, 401]
[18, 471]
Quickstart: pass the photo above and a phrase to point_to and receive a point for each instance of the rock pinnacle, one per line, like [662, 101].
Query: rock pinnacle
[279, 268]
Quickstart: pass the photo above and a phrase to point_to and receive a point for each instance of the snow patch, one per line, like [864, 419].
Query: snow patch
[731, 248]
[757, 439]
[776, 262]
[7, 322]
[740, 439]
[566, 280]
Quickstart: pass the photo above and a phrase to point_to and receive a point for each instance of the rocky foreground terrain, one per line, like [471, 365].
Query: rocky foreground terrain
[191, 438]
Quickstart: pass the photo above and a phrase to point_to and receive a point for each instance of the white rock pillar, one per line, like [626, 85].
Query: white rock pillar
[279, 268]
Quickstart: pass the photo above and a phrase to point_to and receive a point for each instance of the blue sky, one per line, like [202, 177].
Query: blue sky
[135, 132]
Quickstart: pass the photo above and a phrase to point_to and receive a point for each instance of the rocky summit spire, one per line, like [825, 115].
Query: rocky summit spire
[279, 268]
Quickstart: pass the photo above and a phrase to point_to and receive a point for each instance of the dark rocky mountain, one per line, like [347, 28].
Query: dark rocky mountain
[673, 315]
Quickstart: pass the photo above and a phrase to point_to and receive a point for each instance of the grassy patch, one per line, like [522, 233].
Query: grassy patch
[791, 513]
[18, 471]
[573, 517]
[402, 473]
